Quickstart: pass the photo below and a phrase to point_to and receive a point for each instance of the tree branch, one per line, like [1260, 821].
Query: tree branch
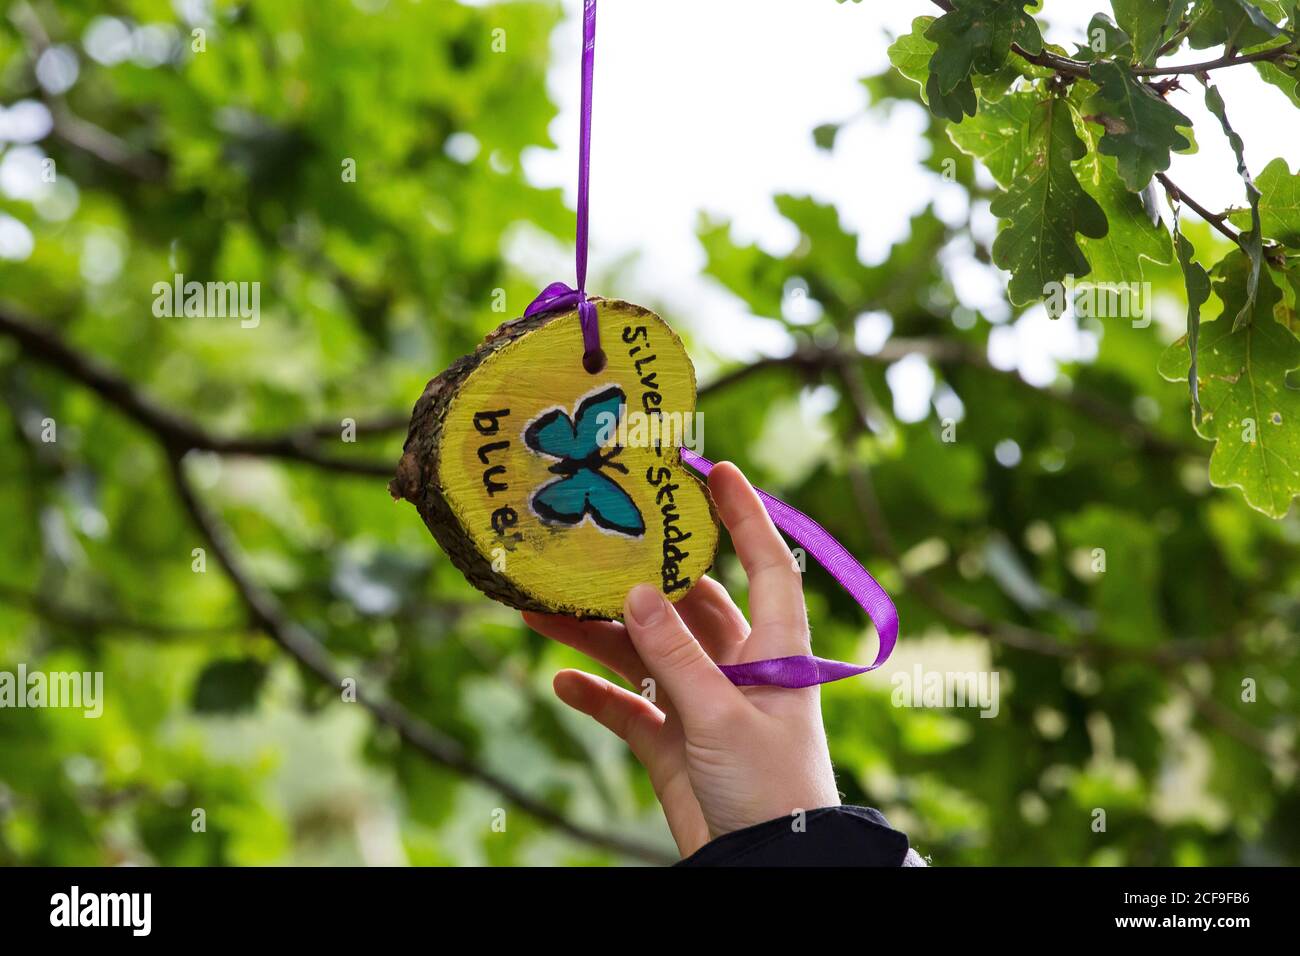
[72, 129]
[1230, 723]
[814, 361]
[174, 431]
[299, 444]
[1227, 60]
[1217, 220]
[1272, 252]
[82, 620]
[103, 145]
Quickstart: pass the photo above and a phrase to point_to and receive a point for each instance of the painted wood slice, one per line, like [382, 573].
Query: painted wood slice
[554, 489]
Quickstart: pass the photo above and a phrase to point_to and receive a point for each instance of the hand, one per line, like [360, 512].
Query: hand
[720, 757]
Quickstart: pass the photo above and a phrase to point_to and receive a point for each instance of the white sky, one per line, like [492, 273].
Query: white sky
[708, 105]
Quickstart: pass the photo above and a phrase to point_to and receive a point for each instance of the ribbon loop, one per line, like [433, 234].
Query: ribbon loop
[554, 298]
[805, 670]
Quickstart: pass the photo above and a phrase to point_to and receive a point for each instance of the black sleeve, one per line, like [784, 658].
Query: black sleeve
[831, 836]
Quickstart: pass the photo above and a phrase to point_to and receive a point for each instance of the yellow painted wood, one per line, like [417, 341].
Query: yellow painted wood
[491, 477]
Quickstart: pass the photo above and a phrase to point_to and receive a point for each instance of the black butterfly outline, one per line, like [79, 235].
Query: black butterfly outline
[581, 462]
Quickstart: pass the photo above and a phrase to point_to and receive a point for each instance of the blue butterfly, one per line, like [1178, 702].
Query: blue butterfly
[583, 488]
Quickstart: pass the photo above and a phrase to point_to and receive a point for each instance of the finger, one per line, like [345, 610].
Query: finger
[631, 717]
[713, 618]
[776, 609]
[676, 660]
[603, 641]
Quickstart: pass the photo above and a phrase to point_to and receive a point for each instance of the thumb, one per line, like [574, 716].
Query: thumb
[699, 691]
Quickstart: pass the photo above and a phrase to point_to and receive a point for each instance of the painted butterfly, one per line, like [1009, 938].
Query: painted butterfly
[583, 487]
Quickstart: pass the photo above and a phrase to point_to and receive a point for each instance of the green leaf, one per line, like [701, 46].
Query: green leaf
[977, 36]
[1045, 208]
[1145, 21]
[1288, 311]
[1235, 24]
[827, 242]
[1131, 239]
[1197, 282]
[1252, 240]
[1258, 19]
[229, 686]
[1189, 132]
[1249, 412]
[748, 271]
[911, 54]
[948, 476]
[998, 135]
[824, 135]
[1279, 204]
[1134, 236]
[1106, 39]
[954, 106]
[1125, 596]
[1286, 77]
[1141, 128]
[1285, 73]
[1174, 21]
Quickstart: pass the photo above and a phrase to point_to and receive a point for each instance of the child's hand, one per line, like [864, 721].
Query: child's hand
[720, 757]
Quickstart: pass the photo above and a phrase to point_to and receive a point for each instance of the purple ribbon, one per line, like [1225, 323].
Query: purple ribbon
[557, 295]
[802, 670]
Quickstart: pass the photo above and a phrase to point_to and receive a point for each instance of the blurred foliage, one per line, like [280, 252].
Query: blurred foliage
[1121, 682]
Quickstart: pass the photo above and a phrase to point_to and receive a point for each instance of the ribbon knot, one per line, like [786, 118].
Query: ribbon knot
[558, 297]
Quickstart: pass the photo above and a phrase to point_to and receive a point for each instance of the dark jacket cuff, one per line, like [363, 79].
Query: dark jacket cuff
[830, 836]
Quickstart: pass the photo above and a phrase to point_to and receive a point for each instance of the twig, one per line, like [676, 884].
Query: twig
[815, 360]
[83, 620]
[1176, 40]
[1217, 220]
[175, 431]
[382, 424]
[1227, 60]
[1272, 252]
[72, 129]
[104, 146]
[1231, 723]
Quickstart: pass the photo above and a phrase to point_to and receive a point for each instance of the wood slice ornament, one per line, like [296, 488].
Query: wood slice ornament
[551, 470]
[555, 489]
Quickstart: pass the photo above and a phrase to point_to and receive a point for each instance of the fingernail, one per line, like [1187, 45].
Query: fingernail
[645, 604]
